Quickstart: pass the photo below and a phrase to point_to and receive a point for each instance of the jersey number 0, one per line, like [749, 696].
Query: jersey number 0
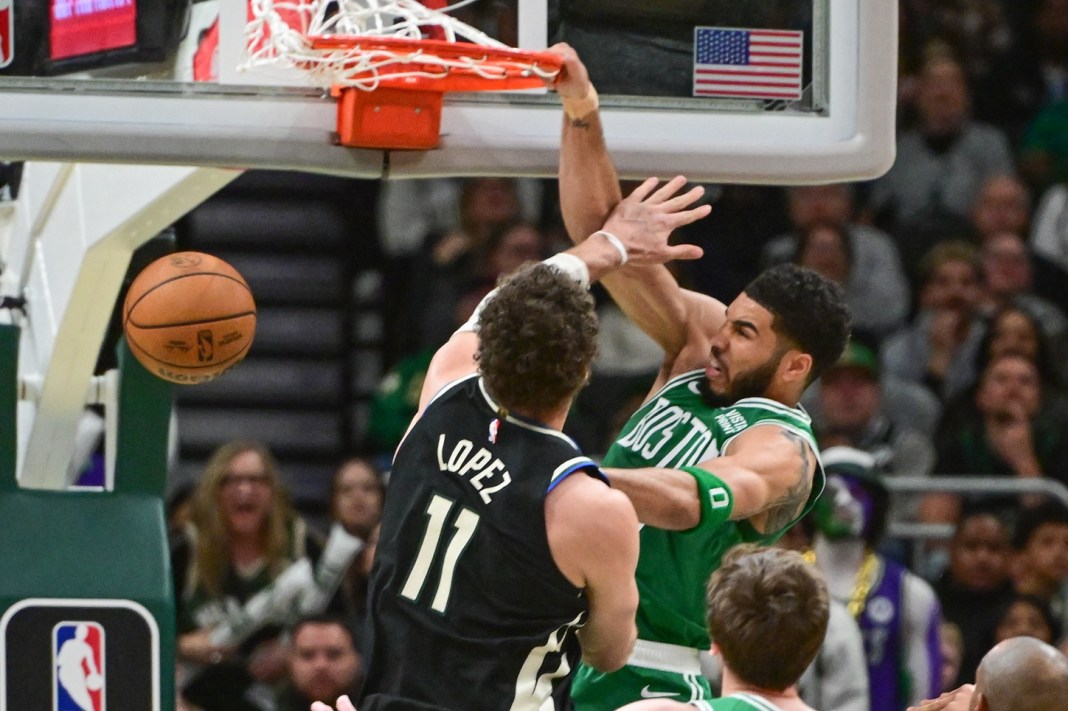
[438, 512]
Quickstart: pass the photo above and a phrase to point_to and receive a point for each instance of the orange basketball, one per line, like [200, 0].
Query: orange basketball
[189, 317]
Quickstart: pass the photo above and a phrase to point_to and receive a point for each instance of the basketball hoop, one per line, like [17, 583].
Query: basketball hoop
[388, 78]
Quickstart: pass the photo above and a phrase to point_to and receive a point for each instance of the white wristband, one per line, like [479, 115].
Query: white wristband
[615, 242]
[571, 266]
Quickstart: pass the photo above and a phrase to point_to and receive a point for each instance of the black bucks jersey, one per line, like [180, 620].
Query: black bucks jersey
[467, 608]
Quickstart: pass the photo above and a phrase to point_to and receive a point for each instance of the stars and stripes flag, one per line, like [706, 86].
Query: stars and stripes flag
[744, 63]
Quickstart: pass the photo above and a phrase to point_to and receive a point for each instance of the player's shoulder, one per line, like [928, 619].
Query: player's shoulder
[593, 503]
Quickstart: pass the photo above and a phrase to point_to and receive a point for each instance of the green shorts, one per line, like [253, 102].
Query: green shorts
[592, 690]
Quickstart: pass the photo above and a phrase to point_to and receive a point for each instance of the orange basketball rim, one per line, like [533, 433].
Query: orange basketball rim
[397, 103]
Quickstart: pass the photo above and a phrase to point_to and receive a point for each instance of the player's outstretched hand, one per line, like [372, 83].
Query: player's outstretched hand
[956, 700]
[644, 220]
[343, 704]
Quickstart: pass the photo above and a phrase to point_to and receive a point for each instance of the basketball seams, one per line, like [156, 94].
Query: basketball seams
[197, 322]
[237, 280]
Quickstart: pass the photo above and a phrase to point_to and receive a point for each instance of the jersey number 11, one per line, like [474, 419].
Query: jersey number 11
[438, 512]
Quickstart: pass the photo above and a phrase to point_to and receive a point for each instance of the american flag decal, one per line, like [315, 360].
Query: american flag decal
[747, 64]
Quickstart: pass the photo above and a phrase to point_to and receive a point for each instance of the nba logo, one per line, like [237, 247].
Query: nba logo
[7, 32]
[78, 667]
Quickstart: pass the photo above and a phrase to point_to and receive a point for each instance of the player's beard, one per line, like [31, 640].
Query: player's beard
[752, 383]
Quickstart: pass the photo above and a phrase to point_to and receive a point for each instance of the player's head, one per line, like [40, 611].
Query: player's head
[781, 333]
[767, 613]
[537, 338]
[1021, 674]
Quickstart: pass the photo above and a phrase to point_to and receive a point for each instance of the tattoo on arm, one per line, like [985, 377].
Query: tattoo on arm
[580, 123]
[783, 511]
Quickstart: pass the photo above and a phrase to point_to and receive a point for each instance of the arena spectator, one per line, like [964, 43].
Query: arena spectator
[854, 406]
[952, 654]
[1009, 279]
[938, 349]
[242, 537]
[943, 162]
[1006, 433]
[1003, 205]
[1027, 616]
[976, 584]
[1041, 565]
[358, 493]
[897, 611]
[862, 259]
[323, 663]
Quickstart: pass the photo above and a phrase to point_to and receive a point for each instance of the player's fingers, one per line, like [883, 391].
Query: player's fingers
[678, 219]
[668, 189]
[642, 191]
[685, 252]
[344, 704]
[320, 706]
[686, 199]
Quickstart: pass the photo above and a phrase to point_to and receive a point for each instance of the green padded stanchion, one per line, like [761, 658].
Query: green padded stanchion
[86, 575]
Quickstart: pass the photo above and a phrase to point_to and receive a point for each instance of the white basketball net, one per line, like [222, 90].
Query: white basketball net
[280, 30]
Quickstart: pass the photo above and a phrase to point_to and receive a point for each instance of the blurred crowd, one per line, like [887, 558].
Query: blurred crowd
[954, 264]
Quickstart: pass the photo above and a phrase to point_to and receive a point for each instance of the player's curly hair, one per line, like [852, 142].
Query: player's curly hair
[768, 611]
[808, 309]
[537, 338]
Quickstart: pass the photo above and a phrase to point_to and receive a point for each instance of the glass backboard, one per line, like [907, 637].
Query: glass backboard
[766, 91]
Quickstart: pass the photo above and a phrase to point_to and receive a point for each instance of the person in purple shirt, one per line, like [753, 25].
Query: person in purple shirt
[897, 611]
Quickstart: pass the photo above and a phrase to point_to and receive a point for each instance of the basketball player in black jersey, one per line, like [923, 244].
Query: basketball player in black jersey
[503, 554]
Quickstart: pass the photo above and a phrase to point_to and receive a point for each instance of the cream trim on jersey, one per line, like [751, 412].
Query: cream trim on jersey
[570, 465]
[665, 657]
[774, 406]
[533, 690]
[515, 421]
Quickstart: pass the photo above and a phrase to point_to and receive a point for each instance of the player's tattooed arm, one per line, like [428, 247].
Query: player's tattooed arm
[792, 501]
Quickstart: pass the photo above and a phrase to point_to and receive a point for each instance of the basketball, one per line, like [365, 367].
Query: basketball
[94, 682]
[189, 317]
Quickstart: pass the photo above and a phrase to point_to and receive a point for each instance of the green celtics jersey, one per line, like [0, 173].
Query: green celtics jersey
[676, 429]
[743, 701]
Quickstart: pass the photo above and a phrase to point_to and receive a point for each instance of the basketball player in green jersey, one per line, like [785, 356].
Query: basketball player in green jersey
[768, 612]
[732, 456]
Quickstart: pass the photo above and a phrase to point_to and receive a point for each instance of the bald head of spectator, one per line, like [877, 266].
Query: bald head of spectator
[942, 97]
[1003, 205]
[1021, 674]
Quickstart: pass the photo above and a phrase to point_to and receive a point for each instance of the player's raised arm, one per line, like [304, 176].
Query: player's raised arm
[589, 190]
[765, 476]
[635, 232]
